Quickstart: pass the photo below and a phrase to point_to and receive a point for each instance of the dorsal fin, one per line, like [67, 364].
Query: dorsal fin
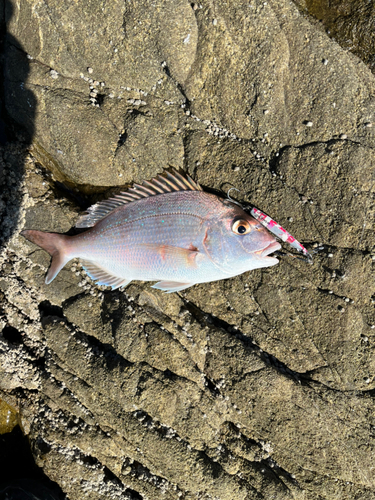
[159, 185]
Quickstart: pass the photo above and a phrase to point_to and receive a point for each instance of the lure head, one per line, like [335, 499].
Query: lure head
[237, 242]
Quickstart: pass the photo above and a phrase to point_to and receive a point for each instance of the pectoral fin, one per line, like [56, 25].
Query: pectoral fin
[186, 257]
[171, 286]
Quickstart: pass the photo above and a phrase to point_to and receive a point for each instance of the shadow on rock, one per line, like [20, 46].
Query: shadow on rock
[24, 480]
[17, 112]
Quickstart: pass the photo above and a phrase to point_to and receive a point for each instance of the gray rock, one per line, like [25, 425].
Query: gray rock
[258, 73]
[349, 23]
[254, 387]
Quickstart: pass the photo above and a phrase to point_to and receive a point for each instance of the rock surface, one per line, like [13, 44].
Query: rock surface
[350, 22]
[257, 387]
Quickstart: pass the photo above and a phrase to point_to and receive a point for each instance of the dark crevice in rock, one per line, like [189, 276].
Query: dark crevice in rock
[205, 319]
[140, 472]
[267, 468]
[133, 495]
[40, 362]
[20, 477]
[169, 375]
[371, 394]
[16, 338]
[111, 357]
[330, 142]
[130, 116]
[164, 431]
[330, 292]
[122, 139]
[100, 99]
[12, 335]
[211, 321]
[61, 190]
[33, 60]
[134, 112]
[186, 104]
[280, 472]
[330, 247]
[48, 311]
[317, 385]
[212, 387]
[59, 91]
[41, 447]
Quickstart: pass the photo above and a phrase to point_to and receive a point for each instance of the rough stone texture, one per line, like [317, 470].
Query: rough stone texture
[254, 70]
[350, 22]
[257, 387]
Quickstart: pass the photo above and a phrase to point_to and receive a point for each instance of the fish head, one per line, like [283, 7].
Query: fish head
[237, 242]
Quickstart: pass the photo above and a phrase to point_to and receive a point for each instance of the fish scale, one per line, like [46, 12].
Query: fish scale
[168, 230]
[151, 225]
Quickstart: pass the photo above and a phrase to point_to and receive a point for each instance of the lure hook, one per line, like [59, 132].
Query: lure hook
[231, 200]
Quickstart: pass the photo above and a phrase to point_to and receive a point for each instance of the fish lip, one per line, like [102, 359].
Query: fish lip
[272, 247]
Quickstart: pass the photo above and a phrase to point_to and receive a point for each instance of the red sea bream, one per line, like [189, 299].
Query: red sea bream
[167, 230]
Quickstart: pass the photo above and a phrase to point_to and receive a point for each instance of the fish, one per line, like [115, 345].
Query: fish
[168, 230]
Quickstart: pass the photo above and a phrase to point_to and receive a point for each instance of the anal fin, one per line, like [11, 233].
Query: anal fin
[171, 286]
[103, 277]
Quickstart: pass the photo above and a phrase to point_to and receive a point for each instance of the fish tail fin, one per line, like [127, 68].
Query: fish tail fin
[55, 245]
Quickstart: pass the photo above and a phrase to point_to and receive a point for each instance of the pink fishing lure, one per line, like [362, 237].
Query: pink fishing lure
[167, 230]
[279, 231]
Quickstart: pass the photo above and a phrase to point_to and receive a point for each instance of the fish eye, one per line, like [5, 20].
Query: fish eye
[241, 226]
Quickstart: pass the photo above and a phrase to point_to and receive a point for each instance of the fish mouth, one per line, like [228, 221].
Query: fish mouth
[272, 247]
